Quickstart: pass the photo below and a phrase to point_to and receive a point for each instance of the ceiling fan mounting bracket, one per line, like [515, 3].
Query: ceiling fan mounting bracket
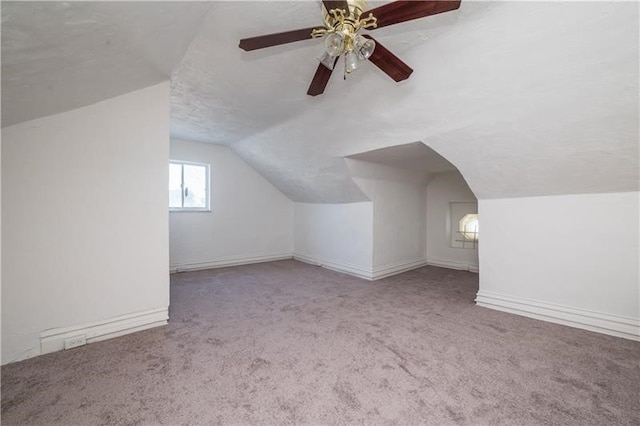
[356, 7]
[337, 21]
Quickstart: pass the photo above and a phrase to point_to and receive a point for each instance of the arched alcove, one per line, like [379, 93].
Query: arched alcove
[419, 199]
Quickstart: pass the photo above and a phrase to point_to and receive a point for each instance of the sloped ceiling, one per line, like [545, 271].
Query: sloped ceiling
[525, 98]
[57, 56]
[411, 156]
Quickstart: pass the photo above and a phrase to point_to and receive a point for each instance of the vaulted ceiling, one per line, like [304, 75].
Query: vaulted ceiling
[525, 98]
[58, 56]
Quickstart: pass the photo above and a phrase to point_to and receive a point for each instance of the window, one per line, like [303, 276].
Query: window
[463, 225]
[468, 227]
[188, 186]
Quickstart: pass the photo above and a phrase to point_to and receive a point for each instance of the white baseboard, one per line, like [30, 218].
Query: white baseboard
[53, 340]
[371, 274]
[462, 266]
[397, 268]
[357, 271]
[228, 261]
[626, 327]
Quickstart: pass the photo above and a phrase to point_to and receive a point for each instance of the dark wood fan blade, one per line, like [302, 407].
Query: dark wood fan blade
[275, 39]
[339, 4]
[388, 62]
[320, 80]
[402, 11]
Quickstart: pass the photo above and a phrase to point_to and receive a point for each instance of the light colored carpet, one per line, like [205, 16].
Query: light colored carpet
[289, 343]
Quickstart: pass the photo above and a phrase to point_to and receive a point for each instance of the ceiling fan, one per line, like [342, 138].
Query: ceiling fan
[343, 21]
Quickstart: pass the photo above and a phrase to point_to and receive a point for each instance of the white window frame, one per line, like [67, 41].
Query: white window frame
[207, 187]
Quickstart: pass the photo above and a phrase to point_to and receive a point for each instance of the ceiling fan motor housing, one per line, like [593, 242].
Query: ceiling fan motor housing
[356, 7]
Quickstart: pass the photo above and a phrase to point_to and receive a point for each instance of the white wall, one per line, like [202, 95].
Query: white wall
[336, 236]
[250, 220]
[399, 215]
[571, 259]
[84, 218]
[398, 225]
[443, 189]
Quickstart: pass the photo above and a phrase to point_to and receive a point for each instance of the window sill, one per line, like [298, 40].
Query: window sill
[189, 210]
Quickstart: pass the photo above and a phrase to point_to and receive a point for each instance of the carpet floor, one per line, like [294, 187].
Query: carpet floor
[289, 343]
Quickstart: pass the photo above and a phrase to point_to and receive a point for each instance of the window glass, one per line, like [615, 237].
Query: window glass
[188, 186]
[469, 227]
[462, 225]
[195, 186]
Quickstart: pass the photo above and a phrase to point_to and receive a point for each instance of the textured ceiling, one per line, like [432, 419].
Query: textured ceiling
[413, 156]
[58, 56]
[525, 98]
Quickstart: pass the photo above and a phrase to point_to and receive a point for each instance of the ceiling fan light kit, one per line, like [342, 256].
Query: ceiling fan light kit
[341, 35]
[343, 20]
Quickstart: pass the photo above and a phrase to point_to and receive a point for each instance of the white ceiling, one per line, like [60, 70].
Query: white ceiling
[412, 156]
[524, 98]
[58, 56]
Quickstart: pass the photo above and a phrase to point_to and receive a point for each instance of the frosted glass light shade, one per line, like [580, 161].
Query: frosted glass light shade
[327, 60]
[364, 47]
[334, 44]
[351, 62]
